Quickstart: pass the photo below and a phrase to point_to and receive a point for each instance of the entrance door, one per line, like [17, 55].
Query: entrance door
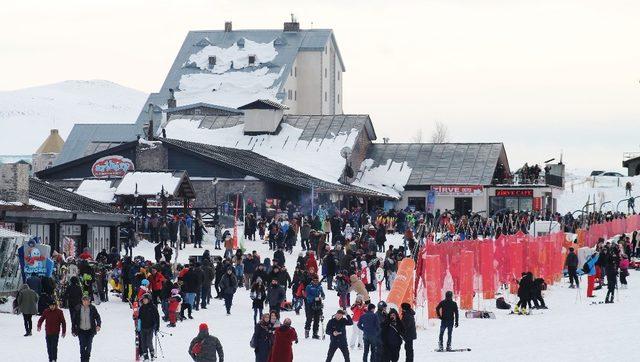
[463, 205]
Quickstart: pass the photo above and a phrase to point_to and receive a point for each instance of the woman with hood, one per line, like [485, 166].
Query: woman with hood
[392, 333]
[27, 301]
[284, 337]
[262, 339]
[258, 295]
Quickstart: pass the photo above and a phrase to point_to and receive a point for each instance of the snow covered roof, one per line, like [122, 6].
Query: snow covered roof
[99, 190]
[421, 164]
[227, 110]
[50, 197]
[176, 183]
[264, 168]
[84, 136]
[310, 144]
[230, 79]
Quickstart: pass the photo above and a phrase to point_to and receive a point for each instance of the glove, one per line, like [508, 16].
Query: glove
[456, 324]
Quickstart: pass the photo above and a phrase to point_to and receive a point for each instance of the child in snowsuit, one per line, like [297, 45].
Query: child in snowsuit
[174, 305]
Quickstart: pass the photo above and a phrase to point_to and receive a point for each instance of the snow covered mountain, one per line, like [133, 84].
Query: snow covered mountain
[27, 115]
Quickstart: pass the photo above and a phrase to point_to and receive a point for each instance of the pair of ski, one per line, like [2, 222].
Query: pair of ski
[453, 350]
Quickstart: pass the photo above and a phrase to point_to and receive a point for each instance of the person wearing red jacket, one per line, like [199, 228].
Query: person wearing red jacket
[156, 279]
[284, 337]
[86, 254]
[311, 262]
[357, 310]
[54, 320]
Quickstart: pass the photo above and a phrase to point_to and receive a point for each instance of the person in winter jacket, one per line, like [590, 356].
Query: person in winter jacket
[313, 306]
[85, 324]
[54, 321]
[571, 262]
[205, 347]
[27, 301]
[611, 271]
[536, 294]
[284, 337]
[409, 325]
[275, 296]
[174, 305]
[447, 311]
[392, 333]
[357, 310]
[369, 324]
[148, 324]
[525, 292]
[358, 286]
[262, 339]
[228, 287]
[73, 295]
[337, 331]
[591, 274]
[258, 296]
[342, 289]
[156, 279]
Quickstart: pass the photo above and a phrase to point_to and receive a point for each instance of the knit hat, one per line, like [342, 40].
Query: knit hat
[144, 282]
[203, 327]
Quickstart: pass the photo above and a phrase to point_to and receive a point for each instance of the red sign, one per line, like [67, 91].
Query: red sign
[455, 190]
[112, 166]
[514, 193]
[537, 203]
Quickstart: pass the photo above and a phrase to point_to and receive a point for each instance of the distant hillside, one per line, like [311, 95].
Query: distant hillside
[27, 115]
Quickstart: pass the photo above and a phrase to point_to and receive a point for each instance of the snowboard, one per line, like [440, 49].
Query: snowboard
[453, 350]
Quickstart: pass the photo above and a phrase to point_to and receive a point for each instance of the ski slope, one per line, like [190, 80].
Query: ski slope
[571, 330]
[606, 191]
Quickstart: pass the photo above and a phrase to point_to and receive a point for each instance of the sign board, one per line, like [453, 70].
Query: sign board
[454, 190]
[537, 203]
[71, 230]
[112, 166]
[431, 200]
[514, 193]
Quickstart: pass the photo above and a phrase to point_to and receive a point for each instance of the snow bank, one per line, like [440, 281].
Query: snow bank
[148, 183]
[99, 190]
[318, 157]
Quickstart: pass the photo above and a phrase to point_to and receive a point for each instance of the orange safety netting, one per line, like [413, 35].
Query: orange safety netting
[402, 289]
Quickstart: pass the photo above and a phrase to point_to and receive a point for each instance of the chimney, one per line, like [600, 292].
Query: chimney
[150, 126]
[171, 102]
[227, 27]
[293, 25]
[14, 182]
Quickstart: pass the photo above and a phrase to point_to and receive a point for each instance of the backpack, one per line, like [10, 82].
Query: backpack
[197, 348]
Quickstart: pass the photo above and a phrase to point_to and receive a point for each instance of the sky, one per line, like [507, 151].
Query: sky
[546, 77]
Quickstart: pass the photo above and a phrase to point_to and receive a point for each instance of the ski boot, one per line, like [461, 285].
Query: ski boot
[440, 349]
[306, 334]
[516, 310]
[448, 348]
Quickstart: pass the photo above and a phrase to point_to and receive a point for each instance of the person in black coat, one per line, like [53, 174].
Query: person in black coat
[571, 262]
[157, 250]
[73, 295]
[85, 332]
[262, 339]
[228, 287]
[331, 265]
[337, 331]
[536, 294]
[392, 333]
[409, 325]
[275, 296]
[148, 324]
[447, 311]
[525, 288]
[611, 271]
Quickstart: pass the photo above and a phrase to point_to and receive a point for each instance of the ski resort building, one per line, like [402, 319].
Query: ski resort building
[48, 151]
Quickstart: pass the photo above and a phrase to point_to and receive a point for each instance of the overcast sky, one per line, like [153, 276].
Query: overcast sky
[542, 76]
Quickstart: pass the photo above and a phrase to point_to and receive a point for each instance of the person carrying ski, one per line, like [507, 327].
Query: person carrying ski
[54, 321]
[205, 347]
[337, 331]
[148, 324]
[447, 312]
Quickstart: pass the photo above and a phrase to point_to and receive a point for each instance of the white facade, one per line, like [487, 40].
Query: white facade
[314, 83]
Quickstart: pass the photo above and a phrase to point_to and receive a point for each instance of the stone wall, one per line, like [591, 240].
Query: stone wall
[151, 157]
[14, 182]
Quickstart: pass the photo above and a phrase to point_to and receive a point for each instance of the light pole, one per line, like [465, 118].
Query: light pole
[214, 183]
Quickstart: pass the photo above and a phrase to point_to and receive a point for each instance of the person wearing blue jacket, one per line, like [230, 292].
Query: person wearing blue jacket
[313, 306]
[337, 331]
[369, 323]
[591, 279]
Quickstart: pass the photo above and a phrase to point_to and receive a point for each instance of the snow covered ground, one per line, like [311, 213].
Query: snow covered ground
[27, 115]
[571, 330]
[579, 190]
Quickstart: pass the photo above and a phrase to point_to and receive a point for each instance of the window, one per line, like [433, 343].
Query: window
[295, 95]
[325, 96]
[212, 61]
[289, 94]
[325, 72]
[252, 59]
[197, 111]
